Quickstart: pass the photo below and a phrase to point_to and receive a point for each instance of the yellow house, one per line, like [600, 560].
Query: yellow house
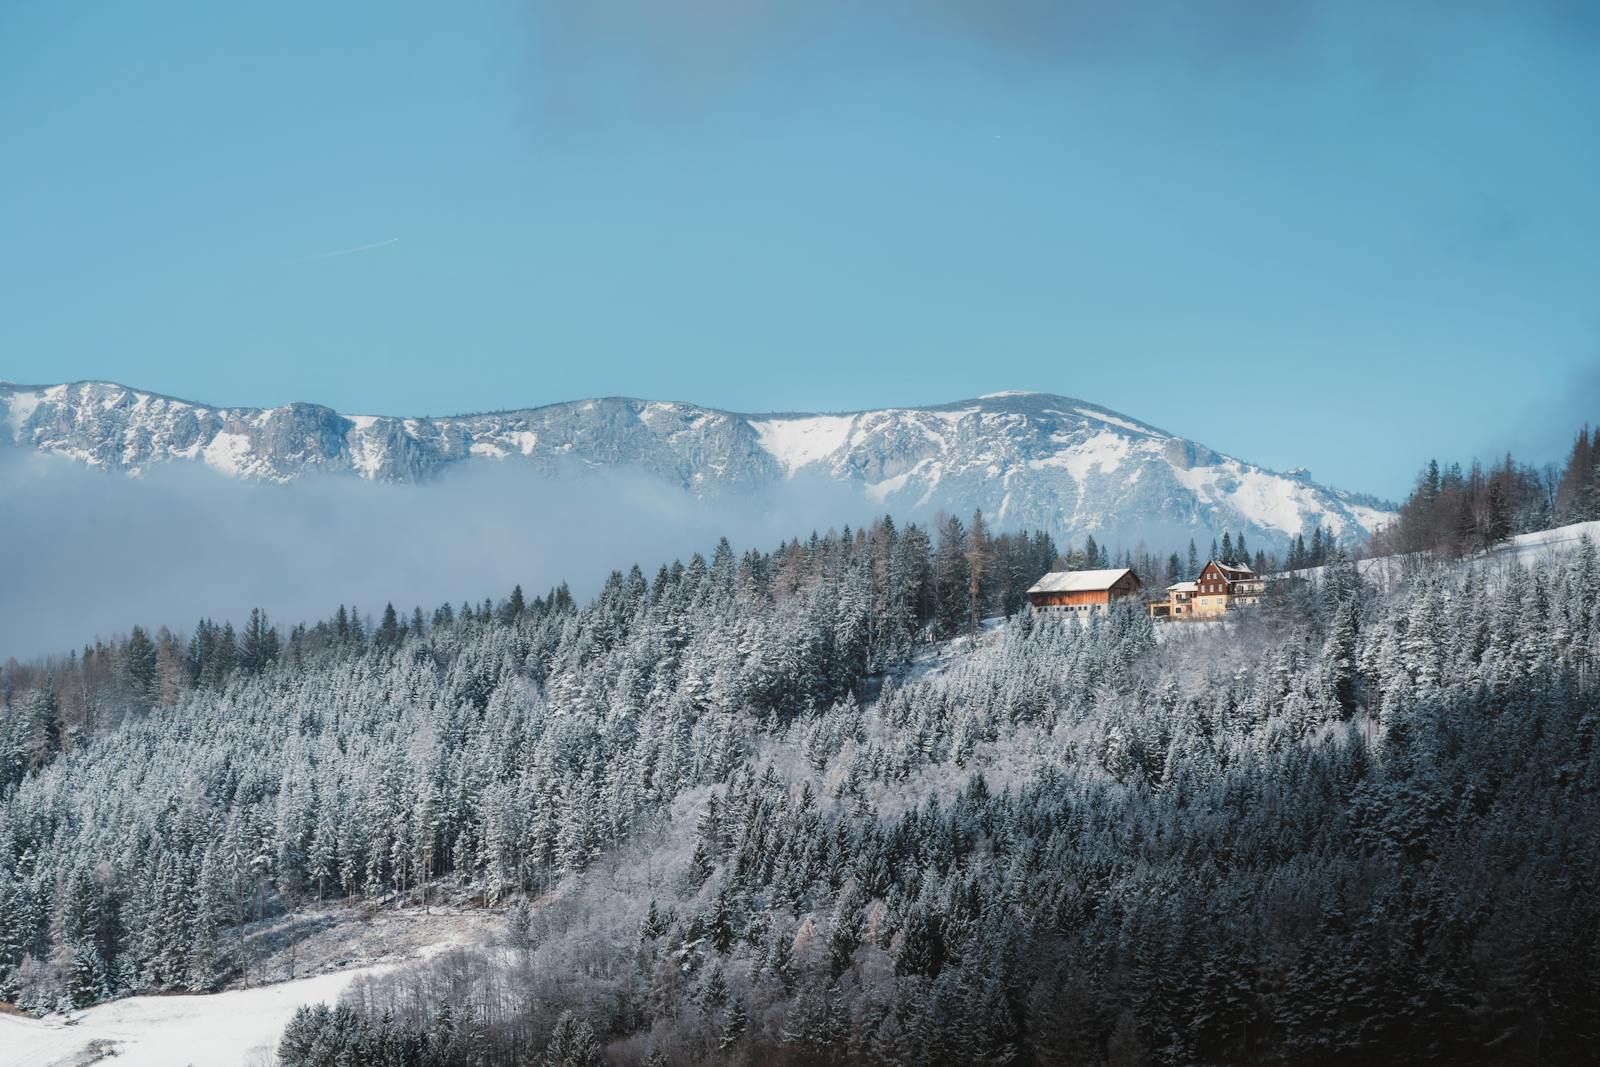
[1219, 587]
[1178, 603]
[1224, 585]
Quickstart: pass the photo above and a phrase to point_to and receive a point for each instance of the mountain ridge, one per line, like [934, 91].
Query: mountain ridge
[1039, 459]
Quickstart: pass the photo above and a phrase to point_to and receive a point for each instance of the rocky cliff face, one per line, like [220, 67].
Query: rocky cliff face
[1026, 459]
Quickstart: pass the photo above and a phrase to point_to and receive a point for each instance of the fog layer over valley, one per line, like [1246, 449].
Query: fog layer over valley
[1040, 460]
[93, 554]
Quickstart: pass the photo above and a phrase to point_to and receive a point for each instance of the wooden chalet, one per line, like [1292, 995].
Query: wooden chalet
[1221, 586]
[1083, 591]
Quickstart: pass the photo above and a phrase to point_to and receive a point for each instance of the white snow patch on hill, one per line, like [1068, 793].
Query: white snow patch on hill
[798, 442]
[1272, 502]
[1112, 419]
[881, 490]
[1104, 451]
[1370, 518]
[22, 405]
[367, 456]
[228, 453]
[1201, 481]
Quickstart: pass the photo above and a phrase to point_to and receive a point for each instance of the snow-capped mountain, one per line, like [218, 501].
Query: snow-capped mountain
[1026, 459]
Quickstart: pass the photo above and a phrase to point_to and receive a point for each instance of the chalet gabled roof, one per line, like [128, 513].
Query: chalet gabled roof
[1079, 581]
[1230, 571]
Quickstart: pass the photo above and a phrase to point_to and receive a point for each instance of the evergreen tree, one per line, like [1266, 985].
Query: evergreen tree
[734, 1022]
[258, 648]
[979, 559]
[138, 669]
[1339, 655]
[224, 657]
[1497, 516]
[572, 1044]
[512, 609]
[388, 632]
[952, 578]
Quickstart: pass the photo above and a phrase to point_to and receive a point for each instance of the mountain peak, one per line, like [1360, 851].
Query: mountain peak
[1025, 458]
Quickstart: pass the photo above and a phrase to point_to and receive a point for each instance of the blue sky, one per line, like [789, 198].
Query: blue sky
[1340, 235]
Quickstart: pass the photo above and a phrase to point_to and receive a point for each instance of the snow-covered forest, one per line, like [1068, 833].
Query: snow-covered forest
[747, 811]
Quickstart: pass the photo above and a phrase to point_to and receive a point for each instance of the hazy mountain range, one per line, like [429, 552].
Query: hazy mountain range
[1026, 459]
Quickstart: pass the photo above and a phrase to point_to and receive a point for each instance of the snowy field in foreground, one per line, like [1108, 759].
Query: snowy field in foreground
[232, 1029]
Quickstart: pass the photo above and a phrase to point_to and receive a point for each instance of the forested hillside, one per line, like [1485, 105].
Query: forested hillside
[112, 881]
[743, 812]
[943, 581]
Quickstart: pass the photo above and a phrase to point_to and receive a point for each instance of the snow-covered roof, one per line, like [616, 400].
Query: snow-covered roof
[1182, 587]
[1079, 581]
[1232, 571]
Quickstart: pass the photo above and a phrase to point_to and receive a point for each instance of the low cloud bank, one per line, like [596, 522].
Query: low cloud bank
[86, 554]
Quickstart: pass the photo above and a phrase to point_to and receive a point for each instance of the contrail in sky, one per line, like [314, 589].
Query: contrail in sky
[353, 251]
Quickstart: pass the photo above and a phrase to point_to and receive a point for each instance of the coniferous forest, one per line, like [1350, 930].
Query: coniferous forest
[801, 807]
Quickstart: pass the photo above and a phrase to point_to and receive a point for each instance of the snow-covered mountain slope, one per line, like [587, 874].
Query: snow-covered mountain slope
[1030, 459]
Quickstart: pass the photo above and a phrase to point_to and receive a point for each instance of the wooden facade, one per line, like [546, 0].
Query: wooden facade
[1083, 591]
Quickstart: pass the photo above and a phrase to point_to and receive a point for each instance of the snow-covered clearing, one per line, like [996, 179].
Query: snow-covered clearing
[242, 1026]
[239, 1027]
